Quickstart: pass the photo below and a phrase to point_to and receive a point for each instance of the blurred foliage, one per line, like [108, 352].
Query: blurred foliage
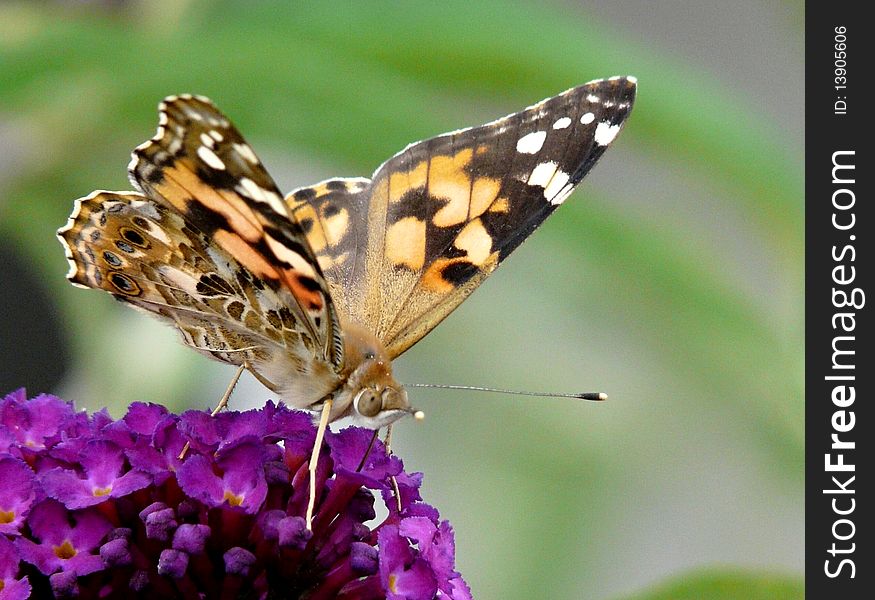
[700, 360]
[715, 585]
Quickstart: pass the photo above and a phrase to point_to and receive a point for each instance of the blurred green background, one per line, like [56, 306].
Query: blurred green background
[672, 279]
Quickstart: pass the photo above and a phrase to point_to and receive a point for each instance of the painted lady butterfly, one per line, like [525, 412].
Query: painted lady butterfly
[316, 293]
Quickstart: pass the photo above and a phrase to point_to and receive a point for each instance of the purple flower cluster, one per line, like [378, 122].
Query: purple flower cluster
[96, 508]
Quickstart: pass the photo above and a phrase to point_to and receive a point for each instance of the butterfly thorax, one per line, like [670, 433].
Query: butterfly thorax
[368, 391]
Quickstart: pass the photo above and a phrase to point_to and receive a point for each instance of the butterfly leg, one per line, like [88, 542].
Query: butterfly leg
[314, 460]
[222, 403]
[368, 451]
[387, 442]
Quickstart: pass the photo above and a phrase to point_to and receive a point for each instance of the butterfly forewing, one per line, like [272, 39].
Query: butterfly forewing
[441, 215]
[200, 165]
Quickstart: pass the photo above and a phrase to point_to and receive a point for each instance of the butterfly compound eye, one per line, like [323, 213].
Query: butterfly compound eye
[368, 403]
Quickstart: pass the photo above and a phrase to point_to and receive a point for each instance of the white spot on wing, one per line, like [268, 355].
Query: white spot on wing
[605, 133]
[542, 174]
[593, 98]
[148, 209]
[216, 135]
[288, 255]
[208, 141]
[209, 157]
[531, 142]
[562, 195]
[562, 123]
[246, 152]
[174, 145]
[250, 189]
[180, 279]
[587, 118]
[554, 188]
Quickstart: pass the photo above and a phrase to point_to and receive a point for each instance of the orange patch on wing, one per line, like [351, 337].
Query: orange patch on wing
[245, 254]
[311, 300]
[499, 206]
[483, 194]
[405, 181]
[316, 235]
[321, 189]
[231, 206]
[476, 241]
[433, 279]
[448, 179]
[294, 204]
[336, 226]
[326, 261]
[405, 243]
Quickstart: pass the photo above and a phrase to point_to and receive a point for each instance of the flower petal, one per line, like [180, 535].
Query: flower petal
[196, 478]
[9, 557]
[48, 522]
[89, 531]
[415, 583]
[17, 495]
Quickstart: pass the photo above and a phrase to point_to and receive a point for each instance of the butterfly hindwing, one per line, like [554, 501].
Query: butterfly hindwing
[200, 165]
[437, 218]
[147, 255]
[331, 214]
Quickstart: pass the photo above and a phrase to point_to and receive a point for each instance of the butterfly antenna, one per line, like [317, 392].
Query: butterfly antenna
[596, 396]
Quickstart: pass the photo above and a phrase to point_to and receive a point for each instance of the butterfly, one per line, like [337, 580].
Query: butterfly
[315, 293]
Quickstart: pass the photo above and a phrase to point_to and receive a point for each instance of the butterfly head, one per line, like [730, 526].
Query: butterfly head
[371, 395]
[376, 407]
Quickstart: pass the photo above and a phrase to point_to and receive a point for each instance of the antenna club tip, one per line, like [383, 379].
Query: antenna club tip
[603, 396]
[419, 415]
[598, 396]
